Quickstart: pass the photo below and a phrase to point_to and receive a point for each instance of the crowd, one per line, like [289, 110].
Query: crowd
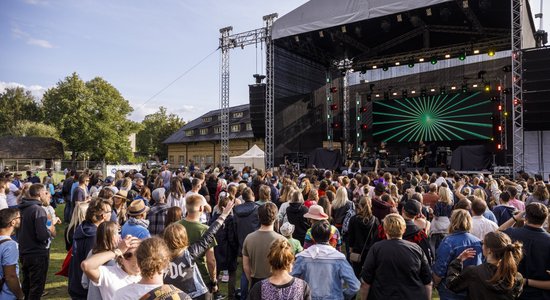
[318, 234]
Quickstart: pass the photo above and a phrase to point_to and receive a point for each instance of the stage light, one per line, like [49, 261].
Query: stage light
[433, 61]
[397, 63]
[374, 67]
[364, 126]
[423, 92]
[394, 93]
[442, 90]
[399, 18]
[420, 60]
[377, 95]
[476, 51]
[432, 90]
[499, 127]
[453, 88]
[474, 85]
[499, 88]
[335, 125]
[333, 90]
[499, 147]
[321, 34]
[363, 70]
[297, 39]
[334, 107]
[500, 107]
[411, 65]
[344, 30]
[491, 52]
[462, 56]
[516, 101]
[413, 92]
[385, 68]
[505, 113]
[507, 69]
[363, 109]
[447, 56]
[492, 139]
[464, 88]
[428, 12]
[487, 87]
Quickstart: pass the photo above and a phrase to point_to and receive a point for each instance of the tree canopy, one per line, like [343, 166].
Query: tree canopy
[91, 117]
[156, 128]
[17, 105]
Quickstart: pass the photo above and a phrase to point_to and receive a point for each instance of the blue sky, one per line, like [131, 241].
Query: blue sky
[138, 46]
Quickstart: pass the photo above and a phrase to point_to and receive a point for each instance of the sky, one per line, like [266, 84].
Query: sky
[139, 46]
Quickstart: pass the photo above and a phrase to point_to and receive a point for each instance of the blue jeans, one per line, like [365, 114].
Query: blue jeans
[244, 286]
[445, 294]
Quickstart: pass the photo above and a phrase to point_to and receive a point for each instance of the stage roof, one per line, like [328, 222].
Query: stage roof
[373, 31]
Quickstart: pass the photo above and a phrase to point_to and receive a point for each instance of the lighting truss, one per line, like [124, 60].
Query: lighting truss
[517, 95]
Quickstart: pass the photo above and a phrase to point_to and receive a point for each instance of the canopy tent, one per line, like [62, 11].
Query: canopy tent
[254, 157]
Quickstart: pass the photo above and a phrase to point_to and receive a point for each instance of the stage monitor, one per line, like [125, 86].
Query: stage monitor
[441, 117]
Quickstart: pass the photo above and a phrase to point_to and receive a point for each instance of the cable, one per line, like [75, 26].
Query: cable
[179, 77]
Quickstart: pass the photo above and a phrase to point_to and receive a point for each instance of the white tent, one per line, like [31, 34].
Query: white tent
[254, 157]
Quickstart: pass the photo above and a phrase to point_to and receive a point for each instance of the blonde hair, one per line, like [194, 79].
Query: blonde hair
[445, 196]
[394, 225]
[296, 197]
[79, 214]
[152, 256]
[175, 237]
[480, 194]
[281, 256]
[341, 198]
[460, 221]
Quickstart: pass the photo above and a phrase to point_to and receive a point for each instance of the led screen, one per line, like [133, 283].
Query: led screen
[444, 117]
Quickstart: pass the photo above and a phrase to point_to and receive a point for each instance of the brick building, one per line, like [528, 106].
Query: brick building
[199, 140]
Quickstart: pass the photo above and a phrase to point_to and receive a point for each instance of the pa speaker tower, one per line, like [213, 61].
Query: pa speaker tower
[257, 109]
[536, 89]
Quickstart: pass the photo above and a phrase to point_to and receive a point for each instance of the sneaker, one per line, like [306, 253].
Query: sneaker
[225, 276]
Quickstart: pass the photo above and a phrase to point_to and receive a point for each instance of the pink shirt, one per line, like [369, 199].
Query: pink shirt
[517, 204]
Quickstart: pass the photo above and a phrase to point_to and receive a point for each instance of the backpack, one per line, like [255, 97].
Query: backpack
[350, 213]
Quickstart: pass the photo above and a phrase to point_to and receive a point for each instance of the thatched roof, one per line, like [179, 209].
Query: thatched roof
[17, 147]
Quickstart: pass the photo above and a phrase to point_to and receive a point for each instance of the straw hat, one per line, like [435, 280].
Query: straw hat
[316, 212]
[137, 207]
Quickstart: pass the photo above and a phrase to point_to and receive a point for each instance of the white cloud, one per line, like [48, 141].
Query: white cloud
[36, 90]
[20, 34]
[36, 2]
[186, 112]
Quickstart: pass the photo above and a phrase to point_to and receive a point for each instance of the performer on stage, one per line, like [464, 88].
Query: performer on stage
[382, 154]
[420, 155]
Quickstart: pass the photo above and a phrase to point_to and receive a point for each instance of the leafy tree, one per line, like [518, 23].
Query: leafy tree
[16, 105]
[91, 117]
[156, 128]
[31, 128]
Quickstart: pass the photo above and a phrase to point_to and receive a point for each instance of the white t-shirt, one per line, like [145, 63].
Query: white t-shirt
[3, 201]
[179, 202]
[12, 198]
[134, 291]
[113, 278]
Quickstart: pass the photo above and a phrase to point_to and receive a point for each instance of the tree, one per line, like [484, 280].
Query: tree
[16, 105]
[91, 117]
[31, 128]
[156, 128]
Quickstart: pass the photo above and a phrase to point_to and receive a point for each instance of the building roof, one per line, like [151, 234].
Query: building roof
[201, 123]
[30, 147]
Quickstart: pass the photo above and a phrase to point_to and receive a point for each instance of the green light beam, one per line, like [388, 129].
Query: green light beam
[459, 102]
[408, 107]
[466, 115]
[394, 115]
[415, 106]
[443, 103]
[393, 107]
[440, 125]
[466, 107]
[390, 122]
[400, 132]
[390, 129]
[436, 127]
[486, 125]
[437, 103]
[468, 132]
[411, 132]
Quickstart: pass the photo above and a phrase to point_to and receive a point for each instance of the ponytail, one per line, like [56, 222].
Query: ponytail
[508, 255]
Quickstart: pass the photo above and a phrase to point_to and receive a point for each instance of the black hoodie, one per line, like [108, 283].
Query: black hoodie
[33, 235]
[246, 221]
[295, 214]
[83, 242]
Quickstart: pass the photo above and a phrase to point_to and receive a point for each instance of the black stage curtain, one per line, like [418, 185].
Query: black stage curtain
[326, 159]
[471, 158]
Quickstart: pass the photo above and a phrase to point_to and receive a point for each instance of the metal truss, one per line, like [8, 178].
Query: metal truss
[517, 88]
[269, 95]
[358, 129]
[345, 110]
[227, 42]
[330, 113]
[224, 97]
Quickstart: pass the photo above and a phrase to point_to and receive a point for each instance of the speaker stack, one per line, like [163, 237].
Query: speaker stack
[257, 109]
[536, 89]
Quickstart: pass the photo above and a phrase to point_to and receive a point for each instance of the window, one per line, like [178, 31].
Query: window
[217, 130]
[248, 127]
[238, 114]
[189, 132]
[181, 159]
[209, 159]
[207, 119]
[171, 159]
[236, 128]
[204, 131]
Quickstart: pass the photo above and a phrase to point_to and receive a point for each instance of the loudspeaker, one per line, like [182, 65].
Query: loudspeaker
[536, 89]
[257, 109]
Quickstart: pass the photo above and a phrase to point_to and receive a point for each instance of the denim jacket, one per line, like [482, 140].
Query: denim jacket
[324, 269]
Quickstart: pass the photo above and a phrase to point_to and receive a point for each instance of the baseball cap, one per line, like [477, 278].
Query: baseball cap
[412, 207]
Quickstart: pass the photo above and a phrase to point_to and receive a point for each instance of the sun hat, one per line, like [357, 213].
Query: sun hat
[121, 194]
[137, 207]
[316, 212]
[287, 229]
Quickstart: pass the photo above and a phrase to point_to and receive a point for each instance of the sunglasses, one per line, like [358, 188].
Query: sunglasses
[128, 255]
